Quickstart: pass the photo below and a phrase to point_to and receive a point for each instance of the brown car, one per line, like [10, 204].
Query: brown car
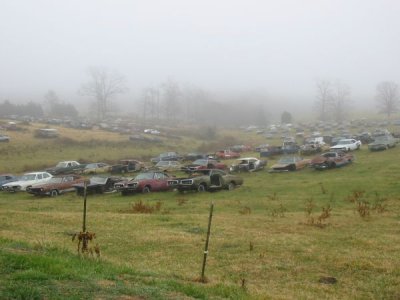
[56, 185]
[332, 159]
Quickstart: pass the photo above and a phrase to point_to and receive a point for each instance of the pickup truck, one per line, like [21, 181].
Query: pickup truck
[206, 180]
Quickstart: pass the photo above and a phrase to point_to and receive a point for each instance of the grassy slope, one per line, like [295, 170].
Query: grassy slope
[271, 248]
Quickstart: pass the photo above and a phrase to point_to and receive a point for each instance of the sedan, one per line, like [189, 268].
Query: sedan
[56, 185]
[26, 181]
[347, 145]
[96, 168]
[383, 142]
[147, 182]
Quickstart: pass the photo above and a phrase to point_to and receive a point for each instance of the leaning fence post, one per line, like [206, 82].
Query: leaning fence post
[84, 242]
[203, 269]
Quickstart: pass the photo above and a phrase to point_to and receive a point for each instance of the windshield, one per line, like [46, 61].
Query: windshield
[200, 162]
[99, 180]
[144, 176]
[162, 163]
[91, 166]
[61, 165]
[27, 177]
[344, 142]
[287, 160]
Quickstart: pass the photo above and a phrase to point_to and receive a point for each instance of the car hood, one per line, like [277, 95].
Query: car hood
[21, 183]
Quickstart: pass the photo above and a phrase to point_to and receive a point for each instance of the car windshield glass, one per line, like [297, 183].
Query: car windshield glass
[91, 166]
[344, 142]
[200, 162]
[98, 180]
[28, 177]
[144, 176]
[162, 163]
[286, 160]
[61, 165]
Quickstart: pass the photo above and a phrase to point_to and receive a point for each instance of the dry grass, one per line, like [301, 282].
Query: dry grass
[269, 250]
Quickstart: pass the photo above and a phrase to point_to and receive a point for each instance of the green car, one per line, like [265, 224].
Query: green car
[207, 180]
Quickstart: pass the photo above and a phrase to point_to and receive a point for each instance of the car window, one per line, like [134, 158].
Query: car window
[45, 175]
[39, 176]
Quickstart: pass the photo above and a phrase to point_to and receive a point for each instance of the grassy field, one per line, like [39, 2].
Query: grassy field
[267, 239]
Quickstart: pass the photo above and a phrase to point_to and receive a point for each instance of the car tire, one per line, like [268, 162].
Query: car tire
[231, 186]
[292, 168]
[146, 190]
[201, 188]
[53, 193]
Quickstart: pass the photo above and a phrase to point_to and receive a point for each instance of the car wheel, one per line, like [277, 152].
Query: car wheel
[332, 165]
[54, 193]
[292, 168]
[201, 188]
[146, 190]
[231, 186]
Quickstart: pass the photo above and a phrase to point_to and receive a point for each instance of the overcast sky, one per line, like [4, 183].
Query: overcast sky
[280, 47]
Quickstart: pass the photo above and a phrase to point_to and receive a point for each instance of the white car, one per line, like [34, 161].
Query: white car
[26, 181]
[347, 145]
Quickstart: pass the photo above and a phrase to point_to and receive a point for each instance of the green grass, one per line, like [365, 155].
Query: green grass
[260, 236]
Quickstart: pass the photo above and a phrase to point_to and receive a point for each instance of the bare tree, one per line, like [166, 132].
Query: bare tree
[171, 94]
[387, 97]
[103, 86]
[340, 99]
[324, 98]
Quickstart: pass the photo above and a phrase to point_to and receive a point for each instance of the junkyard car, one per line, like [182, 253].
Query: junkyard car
[168, 165]
[6, 178]
[4, 138]
[66, 167]
[248, 164]
[290, 146]
[166, 157]
[204, 164]
[26, 181]
[227, 154]
[347, 145]
[310, 148]
[207, 180]
[96, 168]
[97, 185]
[271, 151]
[290, 163]
[332, 159]
[382, 142]
[127, 166]
[56, 185]
[146, 182]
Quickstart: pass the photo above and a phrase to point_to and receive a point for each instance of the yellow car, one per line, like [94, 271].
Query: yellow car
[96, 168]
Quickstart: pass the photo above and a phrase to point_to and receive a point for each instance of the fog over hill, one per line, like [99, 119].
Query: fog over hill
[277, 49]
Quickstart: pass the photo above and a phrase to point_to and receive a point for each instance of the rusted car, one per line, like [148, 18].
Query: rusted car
[57, 185]
[152, 181]
[127, 166]
[332, 159]
[248, 164]
[96, 168]
[200, 164]
[227, 154]
[290, 163]
[97, 185]
[206, 180]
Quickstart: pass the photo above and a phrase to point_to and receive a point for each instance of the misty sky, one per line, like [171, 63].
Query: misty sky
[280, 47]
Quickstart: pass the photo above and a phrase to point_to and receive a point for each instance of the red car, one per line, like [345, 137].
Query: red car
[227, 154]
[147, 182]
[57, 185]
[201, 164]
